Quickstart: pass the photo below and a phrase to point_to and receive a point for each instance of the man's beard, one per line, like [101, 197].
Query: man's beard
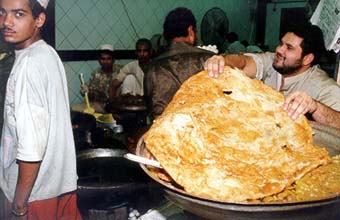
[285, 70]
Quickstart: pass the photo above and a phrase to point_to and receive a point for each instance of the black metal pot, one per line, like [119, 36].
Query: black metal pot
[324, 209]
[107, 179]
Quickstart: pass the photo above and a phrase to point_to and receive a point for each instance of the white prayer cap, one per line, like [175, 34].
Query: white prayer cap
[43, 3]
[106, 47]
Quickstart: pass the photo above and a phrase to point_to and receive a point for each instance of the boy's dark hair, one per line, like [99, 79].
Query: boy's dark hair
[144, 41]
[36, 8]
[177, 22]
[313, 41]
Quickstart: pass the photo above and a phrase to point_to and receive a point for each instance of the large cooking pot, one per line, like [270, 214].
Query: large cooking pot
[107, 180]
[324, 209]
[107, 170]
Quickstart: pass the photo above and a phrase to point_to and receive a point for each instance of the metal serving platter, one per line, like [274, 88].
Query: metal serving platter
[327, 208]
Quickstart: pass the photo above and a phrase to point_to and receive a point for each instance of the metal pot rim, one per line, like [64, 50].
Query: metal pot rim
[100, 152]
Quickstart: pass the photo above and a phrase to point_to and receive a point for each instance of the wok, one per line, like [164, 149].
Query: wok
[107, 179]
[103, 169]
[327, 208]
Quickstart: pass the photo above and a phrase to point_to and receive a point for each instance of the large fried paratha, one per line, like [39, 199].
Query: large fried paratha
[229, 139]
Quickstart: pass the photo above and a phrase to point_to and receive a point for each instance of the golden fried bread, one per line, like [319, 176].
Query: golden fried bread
[229, 139]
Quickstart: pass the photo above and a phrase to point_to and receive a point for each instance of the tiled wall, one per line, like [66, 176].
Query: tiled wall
[86, 24]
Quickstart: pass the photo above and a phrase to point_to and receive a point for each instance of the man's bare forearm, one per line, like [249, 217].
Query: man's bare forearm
[28, 173]
[113, 89]
[245, 63]
[235, 60]
[326, 115]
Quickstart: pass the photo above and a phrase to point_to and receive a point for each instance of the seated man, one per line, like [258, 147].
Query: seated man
[101, 78]
[171, 68]
[130, 78]
[292, 70]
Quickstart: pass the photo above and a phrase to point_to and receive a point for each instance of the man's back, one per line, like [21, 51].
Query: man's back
[169, 70]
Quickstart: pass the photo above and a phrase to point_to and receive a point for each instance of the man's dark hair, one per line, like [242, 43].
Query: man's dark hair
[36, 8]
[144, 41]
[313, 41]
[177, 22]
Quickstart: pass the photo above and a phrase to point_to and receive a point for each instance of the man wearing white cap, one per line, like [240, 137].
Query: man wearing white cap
[101, 79]
[37, 154]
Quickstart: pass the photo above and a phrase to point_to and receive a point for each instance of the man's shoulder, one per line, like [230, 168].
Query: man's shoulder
[267, 55]
[117, 66]
[182, 49]
[40, 48]
[132, 63]
[319, 76]
[39, 53]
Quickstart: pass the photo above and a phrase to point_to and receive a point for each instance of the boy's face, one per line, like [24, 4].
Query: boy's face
[17, 23]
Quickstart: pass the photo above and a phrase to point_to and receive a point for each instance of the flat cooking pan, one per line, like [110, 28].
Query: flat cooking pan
[324, 209]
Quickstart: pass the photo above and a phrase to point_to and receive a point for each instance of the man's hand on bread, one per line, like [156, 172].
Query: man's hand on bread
[295, 104]
[214, 65]
[299, 103]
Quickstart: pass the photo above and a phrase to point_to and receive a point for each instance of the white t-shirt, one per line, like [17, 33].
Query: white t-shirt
[37, 125]
[132, 77]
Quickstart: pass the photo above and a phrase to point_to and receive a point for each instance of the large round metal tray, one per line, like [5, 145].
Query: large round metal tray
[327, 208]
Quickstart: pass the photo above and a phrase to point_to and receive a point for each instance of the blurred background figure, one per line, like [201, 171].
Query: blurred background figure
[101, 79]
[235, 46]
[159, 44]
[251, 48]
[127, 90]
[130, 78]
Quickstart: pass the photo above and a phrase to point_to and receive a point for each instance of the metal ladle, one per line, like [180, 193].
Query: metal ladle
[142, 160]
